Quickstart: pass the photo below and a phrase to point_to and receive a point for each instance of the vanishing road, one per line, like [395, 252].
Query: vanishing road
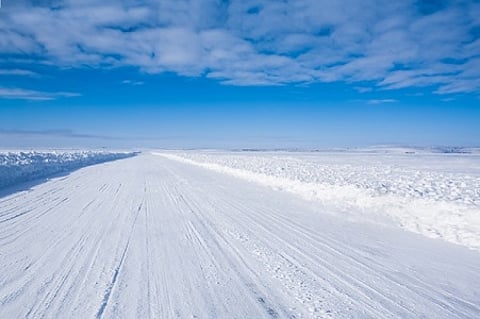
[149, 237]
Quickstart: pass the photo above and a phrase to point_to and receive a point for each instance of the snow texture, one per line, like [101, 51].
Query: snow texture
[151, 237]
[436, 195]
[18, 167]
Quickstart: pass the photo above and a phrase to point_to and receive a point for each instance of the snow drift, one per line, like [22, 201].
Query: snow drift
[436, 195]
[19, 167]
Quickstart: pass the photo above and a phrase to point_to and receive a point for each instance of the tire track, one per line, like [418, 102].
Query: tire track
[116, 272]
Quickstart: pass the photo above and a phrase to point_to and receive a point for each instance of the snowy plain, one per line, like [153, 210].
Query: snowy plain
[243, 235]
[434, 194]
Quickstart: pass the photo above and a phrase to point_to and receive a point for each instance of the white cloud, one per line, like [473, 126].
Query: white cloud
[362, 89]
[381, 101]
[17, 72]
[245, 42]
[134, 83]
[25, 94]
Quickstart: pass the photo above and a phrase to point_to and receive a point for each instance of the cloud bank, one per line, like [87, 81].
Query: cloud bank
[389, 44]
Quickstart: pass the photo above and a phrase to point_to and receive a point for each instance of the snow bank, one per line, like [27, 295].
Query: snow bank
[19, 167]
[437, 195]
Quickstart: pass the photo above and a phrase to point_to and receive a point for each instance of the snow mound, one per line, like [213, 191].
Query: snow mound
[436, 195]
[19, 167]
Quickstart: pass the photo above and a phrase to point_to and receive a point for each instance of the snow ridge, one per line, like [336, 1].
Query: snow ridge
[19, 167]
[436, 201]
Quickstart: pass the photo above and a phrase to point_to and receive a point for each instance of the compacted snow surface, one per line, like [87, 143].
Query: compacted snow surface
[246, 235]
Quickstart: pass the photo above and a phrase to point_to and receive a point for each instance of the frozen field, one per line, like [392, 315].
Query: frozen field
[247, 235]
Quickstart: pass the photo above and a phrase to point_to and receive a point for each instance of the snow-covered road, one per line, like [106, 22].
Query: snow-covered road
[150, 237]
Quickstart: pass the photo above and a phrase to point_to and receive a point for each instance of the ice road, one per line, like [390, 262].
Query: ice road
[152, 237]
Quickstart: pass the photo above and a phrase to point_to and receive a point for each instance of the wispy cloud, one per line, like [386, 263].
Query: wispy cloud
[396, 44]
[25, 94]
[134, 83]
[362, 89]
[17, 72]
[448, 99]
[381, 101]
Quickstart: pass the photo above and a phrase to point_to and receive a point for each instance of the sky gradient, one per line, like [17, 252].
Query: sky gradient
[239, 74]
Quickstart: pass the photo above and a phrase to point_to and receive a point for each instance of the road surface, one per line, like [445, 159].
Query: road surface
[149, 237]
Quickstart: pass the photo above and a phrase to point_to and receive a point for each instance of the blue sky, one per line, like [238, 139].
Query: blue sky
[232, 74]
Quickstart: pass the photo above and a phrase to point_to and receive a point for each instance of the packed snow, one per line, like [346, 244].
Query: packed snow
[152, 237]
[21, 166]
[434, 194]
